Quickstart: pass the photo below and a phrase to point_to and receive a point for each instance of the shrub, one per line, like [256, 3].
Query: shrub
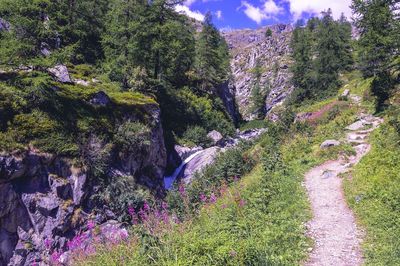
[120, 193]
[196, 135]
[133, 137]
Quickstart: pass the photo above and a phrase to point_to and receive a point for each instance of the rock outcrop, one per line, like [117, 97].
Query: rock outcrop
[45, 198]
[60, 73]
[249, 46]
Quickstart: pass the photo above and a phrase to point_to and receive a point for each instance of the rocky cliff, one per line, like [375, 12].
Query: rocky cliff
[273, 52]
[47, 198]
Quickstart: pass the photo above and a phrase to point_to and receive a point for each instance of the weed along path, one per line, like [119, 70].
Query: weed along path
[333, 227]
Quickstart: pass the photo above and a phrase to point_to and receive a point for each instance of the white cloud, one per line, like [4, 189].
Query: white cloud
[298, 7]
[189, 2]
[197, 15]
[218, 14]
[270, 7]
[268, 10]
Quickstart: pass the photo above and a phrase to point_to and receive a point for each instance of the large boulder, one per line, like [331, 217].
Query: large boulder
[199, 162]
[60, 73]
[215, 137]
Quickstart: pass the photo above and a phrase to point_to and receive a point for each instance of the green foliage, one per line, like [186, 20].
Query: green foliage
[120, 193]
[321, 50]
[253, 124]
[212, 56]
[151, 38]
[372, 192]
[185, 108]
[73, 27]
[258, 94]
[133, 137]
[379, 34]
[196, 135]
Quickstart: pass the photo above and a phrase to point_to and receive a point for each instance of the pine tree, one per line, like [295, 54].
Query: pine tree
[301, 45]
[329, 50]
[376, 23]
[258, 94]
[345, 50]
[378, 44]
[212, 56]
[29, 29]
[148, 37]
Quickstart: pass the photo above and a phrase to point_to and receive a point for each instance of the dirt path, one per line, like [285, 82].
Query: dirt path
[333, 227]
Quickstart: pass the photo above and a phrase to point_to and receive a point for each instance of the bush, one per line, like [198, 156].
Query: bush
[121, 193]
[133, 137]
[196, 135]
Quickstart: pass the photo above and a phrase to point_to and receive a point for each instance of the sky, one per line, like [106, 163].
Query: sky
[238, 14]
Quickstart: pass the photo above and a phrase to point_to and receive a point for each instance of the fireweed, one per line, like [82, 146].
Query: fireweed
[156, 221]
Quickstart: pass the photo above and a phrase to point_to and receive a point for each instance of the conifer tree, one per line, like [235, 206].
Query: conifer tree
[328, 49]
[212, 56]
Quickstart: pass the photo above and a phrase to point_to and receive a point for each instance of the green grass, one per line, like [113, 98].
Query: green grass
[373, 193]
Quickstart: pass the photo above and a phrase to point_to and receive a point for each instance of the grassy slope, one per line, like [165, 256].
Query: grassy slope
[267, 230]
[51, 116]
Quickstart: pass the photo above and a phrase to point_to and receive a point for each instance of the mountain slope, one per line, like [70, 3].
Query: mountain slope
[249, 46]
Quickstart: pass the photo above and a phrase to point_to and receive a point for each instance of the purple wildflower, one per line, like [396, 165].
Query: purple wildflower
[131, 211]
[47, 243]
[91, 224]
[146, 207]
[224, 206]
[203, 198]
[213, 198]
[164, 205]
[242, 202]
[181, 190]
[55, 257]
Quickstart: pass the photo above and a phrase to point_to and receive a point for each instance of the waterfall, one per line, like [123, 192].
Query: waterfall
[169, 180]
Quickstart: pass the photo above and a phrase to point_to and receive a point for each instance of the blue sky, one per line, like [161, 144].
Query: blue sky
[237, 14]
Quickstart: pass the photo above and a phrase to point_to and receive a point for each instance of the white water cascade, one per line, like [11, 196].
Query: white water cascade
[169, 180]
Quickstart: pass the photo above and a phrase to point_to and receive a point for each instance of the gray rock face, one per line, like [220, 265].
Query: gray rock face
[248, 46]
[329, 143]
[215, 137]
[60, 72]
[226, 91]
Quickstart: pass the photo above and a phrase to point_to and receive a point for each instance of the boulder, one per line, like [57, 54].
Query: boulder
[198, 163]
[215, 137]
[329, 143]
[100, 99]
[60, 72]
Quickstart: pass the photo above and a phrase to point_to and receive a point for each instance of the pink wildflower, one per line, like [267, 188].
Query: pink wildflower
[213, 198]
[242, 202]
